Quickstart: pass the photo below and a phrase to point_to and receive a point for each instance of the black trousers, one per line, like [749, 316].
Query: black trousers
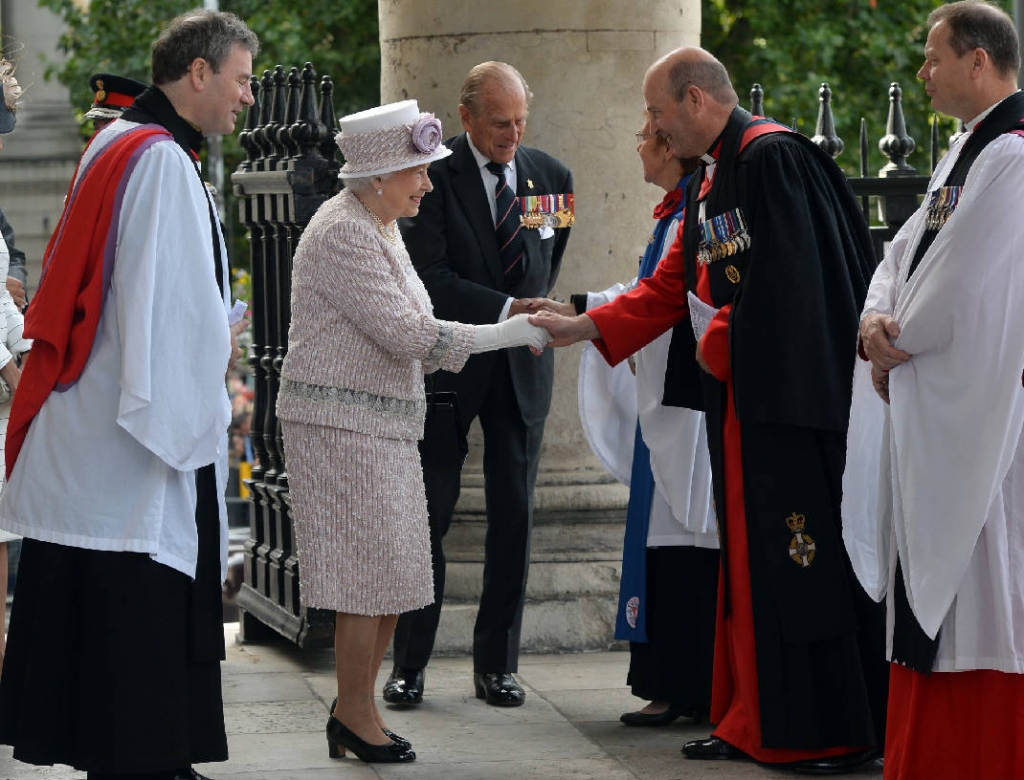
[511, 454]
[674, 665]
[113, 660]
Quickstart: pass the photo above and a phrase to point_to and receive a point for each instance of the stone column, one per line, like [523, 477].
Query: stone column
[39, 157]
[584, 61]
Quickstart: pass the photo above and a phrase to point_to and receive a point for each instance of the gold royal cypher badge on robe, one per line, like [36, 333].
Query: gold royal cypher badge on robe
[802, 547]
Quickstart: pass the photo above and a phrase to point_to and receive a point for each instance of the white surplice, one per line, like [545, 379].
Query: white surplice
[937, 477]
[109, 463]
[610, 400]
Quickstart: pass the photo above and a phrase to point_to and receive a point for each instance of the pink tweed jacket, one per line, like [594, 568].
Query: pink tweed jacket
[362, 333]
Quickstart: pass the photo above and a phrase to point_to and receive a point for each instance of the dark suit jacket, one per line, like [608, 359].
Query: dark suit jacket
[453, 247]
[17, 267]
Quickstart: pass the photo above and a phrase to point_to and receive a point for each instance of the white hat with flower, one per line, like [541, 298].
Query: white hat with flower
[389, 138]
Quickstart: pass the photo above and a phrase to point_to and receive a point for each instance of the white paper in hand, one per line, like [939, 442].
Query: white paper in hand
[237, 311]
[701, 314]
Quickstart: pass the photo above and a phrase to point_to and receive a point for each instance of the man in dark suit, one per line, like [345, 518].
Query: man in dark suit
[473, 276]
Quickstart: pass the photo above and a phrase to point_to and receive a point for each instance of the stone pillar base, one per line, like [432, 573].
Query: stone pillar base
[575, 562]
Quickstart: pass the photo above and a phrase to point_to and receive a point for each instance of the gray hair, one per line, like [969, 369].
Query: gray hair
[364, 184]
[486, 72]
[975, 24]
[199, 34]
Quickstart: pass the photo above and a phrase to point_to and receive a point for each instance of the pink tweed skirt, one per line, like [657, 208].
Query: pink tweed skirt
[359, 512]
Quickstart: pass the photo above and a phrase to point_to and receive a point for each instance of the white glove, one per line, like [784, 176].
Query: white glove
[513, 332]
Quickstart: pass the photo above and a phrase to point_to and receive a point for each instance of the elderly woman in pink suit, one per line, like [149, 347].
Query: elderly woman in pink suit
[352, 407]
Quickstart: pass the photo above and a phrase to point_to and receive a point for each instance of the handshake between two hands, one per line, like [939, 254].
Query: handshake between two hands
[532, 307]
[559, 319]
[535, 323]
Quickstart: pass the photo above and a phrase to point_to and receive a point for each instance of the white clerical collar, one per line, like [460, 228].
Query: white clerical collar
[977, 120]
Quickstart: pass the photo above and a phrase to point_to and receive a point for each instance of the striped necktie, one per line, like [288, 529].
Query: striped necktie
[507, 226]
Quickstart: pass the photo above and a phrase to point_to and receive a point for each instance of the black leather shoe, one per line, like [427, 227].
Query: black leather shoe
[836, 765]
[404, 686]
[712, 749]
[340, 737]
[387, 732]
[659, 719]
[500, 689]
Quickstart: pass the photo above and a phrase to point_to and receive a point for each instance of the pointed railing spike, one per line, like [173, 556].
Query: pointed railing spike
[825, 132]
[757, 100]
[896, 144]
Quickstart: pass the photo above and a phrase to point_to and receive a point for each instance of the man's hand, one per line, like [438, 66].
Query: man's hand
[566, 330]
[880, 381]
[519, 306]
[236, 351]
[17, 290]
[534, 305]
[700, 359]
[877, 332]
[11, 374]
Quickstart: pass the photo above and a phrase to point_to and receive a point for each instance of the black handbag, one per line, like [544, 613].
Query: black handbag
[443, 445]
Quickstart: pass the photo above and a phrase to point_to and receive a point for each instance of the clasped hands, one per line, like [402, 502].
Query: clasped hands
[877, 334]
[559, 319]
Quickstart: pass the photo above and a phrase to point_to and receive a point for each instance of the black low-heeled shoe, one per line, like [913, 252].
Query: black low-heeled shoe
[659, 719]
[340, 737]
[387, 732]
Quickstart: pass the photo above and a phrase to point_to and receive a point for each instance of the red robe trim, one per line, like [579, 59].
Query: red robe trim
[77, 268]
[954, 725]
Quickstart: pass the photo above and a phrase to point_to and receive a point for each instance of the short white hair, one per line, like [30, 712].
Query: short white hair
[363, 184]
[12, 89]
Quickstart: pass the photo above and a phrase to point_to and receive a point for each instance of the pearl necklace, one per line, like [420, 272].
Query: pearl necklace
[390, 233]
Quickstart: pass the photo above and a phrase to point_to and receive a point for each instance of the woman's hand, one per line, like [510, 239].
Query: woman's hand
[566, 330]
[513, 332]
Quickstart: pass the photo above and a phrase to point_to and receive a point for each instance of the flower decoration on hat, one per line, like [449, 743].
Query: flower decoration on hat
[426, 133]
[389, 138]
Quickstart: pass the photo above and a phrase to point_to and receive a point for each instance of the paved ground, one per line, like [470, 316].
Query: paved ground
[276, 700]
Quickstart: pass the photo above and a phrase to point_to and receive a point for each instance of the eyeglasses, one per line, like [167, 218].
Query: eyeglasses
[641, 136]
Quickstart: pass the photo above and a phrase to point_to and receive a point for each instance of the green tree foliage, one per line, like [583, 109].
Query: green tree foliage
[858, 47]
[339, 37]
[113, 36]
[790, 47]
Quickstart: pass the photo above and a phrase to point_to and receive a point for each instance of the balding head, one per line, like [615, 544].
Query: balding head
[689, 97]
[696, 66]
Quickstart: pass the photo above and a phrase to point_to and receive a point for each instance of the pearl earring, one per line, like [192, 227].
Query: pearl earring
[380, 191]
